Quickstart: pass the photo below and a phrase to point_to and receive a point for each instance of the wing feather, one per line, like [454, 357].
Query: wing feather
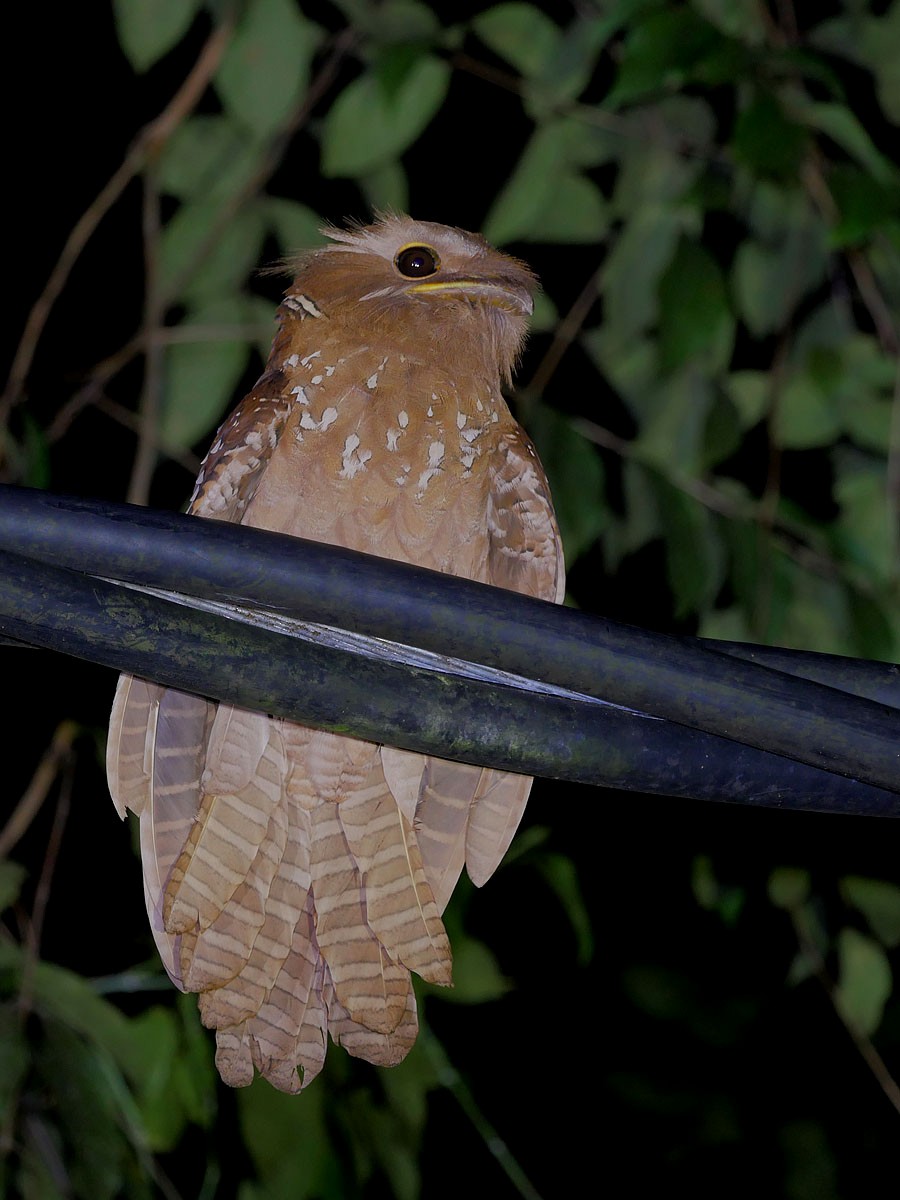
[400, 906]
[525, 550]
[294, 877]
[241, 786]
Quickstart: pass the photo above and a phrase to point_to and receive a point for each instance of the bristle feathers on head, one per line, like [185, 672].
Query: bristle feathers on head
[354, 279]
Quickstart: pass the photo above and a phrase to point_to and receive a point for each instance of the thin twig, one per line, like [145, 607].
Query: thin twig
[450, 1078]
[566, 332]
[155, 134]
[147, 143]
[863, 1044]
[893, 477]
[41, 782]
[879, 310]
[791, 536]
[51, 855]
[630, 127]
[35, 926]
[883, 319]
[767, 511]
[91, 393]
[325, 77]
[37, 318]
[150, 407]
[157, 299]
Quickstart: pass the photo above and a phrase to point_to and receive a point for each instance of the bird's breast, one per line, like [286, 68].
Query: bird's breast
[385, 454]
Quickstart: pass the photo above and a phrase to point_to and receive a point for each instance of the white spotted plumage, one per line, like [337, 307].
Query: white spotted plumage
[295, 877]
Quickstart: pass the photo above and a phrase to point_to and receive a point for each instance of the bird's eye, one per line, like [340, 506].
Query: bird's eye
[415, 262]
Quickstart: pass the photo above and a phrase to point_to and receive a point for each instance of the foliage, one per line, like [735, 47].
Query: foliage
[710, 194]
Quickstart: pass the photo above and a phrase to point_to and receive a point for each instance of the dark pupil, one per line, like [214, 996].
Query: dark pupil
[416, 261]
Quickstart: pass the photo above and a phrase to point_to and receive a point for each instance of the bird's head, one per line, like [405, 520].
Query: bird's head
[422, 285]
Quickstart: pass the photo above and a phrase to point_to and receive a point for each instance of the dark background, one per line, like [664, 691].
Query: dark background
[676, 1057]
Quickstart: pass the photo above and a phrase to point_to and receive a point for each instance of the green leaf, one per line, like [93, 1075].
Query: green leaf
[802, 968]
[34, 468]
[407, 1086]
[766, 140]
[393, 22]
[662, 993]
[771, 276]
[805, 416]
[655, 171]
[842, 125]
[629, 364]
[390, 1144]
[570, 61]
[882, 44]
[386, 188]
[62, 996]
[366, 128]
[704, 883]
[477, 977]
[827, 331]
[759, 288]
[12, 876]
[805, 610]
[260, 320]
[74, 1077]
[722, 434]
[695, 560]
[864, 981]
[751, 393]
[865, 204]
[265, 70]
[868, 421]
[866, 526]
[576, 478]
[673, 424]
[660, 53]
[769, 283]
[545, 317]
[148, 29]
[293, 1158]
[875, 622]
[641, 522]
[200, 376]
[521, 34]
[747, 553]
[788, 887]
[576, 212]
[725, 624]
[879, 902]
[634, 266]
[562, 876]
[295, 226]
[15, 1056]
[740, 19]
[883, 255]
[194, 1077]
[546, 197]
[155, 1039]
[695, 321]
[199, 261]
[208, 157]
[41, 1166]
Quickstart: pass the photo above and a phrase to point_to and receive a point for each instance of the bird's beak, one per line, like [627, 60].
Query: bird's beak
[503, 293]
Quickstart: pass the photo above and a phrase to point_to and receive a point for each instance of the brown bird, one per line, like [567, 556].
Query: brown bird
[294, 877]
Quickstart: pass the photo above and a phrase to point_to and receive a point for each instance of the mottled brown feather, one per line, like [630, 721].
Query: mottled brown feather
[294, 877]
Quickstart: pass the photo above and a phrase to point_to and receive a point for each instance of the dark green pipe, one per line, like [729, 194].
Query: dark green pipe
[405, 706]
[686, 683]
